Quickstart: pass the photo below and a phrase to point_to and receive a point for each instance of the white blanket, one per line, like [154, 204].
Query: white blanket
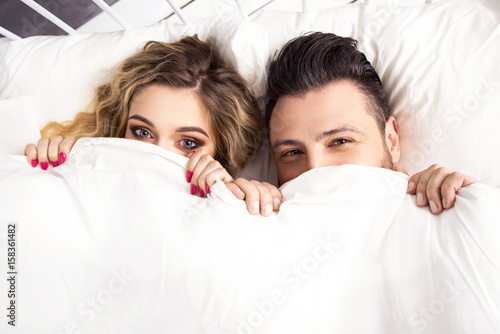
[112, 242]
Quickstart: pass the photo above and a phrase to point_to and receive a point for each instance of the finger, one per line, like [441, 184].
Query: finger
[433, 189]
[205, 162]
[421, 185]
[189, 167]
[30, 152]
[276, 195]
[211, 174]
[65, 147]
[194, 157]
[42, 148]
[252, 196]
[413, 181]
[400, 169]
[451, 185]
[266, 198]
[53, 150]
[236, 190]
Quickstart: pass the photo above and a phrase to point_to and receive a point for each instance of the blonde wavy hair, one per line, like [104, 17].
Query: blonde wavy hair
[188, 63]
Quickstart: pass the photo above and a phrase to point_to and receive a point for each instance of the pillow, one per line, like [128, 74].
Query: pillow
[61, 73]
[439, 66]
[18, 125]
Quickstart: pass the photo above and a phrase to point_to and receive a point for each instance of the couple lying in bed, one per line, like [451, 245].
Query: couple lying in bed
[325, 107]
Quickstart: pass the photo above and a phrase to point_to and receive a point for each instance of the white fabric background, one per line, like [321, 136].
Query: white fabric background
[113, 242]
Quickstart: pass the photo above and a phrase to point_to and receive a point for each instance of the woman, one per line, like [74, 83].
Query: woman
[180, 96]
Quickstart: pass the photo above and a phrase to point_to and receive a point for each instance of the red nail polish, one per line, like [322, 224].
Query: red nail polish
[193, 189]
[55, 163]
[207, 188]
[34, 163]
[62, 157]
[202, 194]
[189, 175]
[44, 165]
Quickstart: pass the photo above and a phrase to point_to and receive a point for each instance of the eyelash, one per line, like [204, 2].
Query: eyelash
[345, 141]
[196, 143]
[336, 142]
[138, 128]
[289, 153]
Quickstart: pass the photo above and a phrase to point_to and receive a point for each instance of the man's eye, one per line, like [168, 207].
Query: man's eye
[190, 143]
[339, 142]
[141, 133]
[290, 153]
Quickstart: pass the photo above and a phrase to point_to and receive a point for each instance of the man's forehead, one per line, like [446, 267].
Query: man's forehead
[324, 109]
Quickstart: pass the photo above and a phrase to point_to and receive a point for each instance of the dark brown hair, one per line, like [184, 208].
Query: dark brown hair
[313, 61]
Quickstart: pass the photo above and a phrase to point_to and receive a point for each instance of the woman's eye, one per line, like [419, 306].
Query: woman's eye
[141, 133]
[190, 143]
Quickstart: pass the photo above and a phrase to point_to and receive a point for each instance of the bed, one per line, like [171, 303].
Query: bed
[95, 251]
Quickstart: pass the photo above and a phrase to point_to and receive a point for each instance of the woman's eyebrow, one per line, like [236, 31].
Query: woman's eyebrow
[191, 129]
[142, 119]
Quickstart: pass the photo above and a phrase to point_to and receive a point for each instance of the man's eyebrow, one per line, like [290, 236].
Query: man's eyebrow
[191, 129]
[142, 119]
[333, 132]
[294, 142]
[286, 142]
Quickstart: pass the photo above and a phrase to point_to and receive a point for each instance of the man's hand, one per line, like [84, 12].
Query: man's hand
[260, 197]
[437, 187]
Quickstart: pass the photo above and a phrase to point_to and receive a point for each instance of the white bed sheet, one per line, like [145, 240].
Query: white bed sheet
[112, 242]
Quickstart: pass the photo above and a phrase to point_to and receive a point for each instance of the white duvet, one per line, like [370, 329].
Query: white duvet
[112, 242]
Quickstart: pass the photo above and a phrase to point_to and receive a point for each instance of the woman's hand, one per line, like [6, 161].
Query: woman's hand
[55, 151]
[203, 171]
[437, 187]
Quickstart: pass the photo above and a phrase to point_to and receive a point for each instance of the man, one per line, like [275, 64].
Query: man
[326, 107]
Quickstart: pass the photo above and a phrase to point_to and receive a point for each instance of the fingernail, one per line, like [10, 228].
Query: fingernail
[420, 198]
[207, 188]
[411, 185]
[434, 207]
[445, 204]
[34, 163]
[44, 165]
[255, 207]
[268, 209]
[276, 203]
[193, 189]
[55, 163]
[189, 175]
[190, 154]
[202, 194]
[62, 157]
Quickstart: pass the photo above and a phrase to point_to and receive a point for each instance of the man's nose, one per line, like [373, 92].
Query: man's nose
[314, 161]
